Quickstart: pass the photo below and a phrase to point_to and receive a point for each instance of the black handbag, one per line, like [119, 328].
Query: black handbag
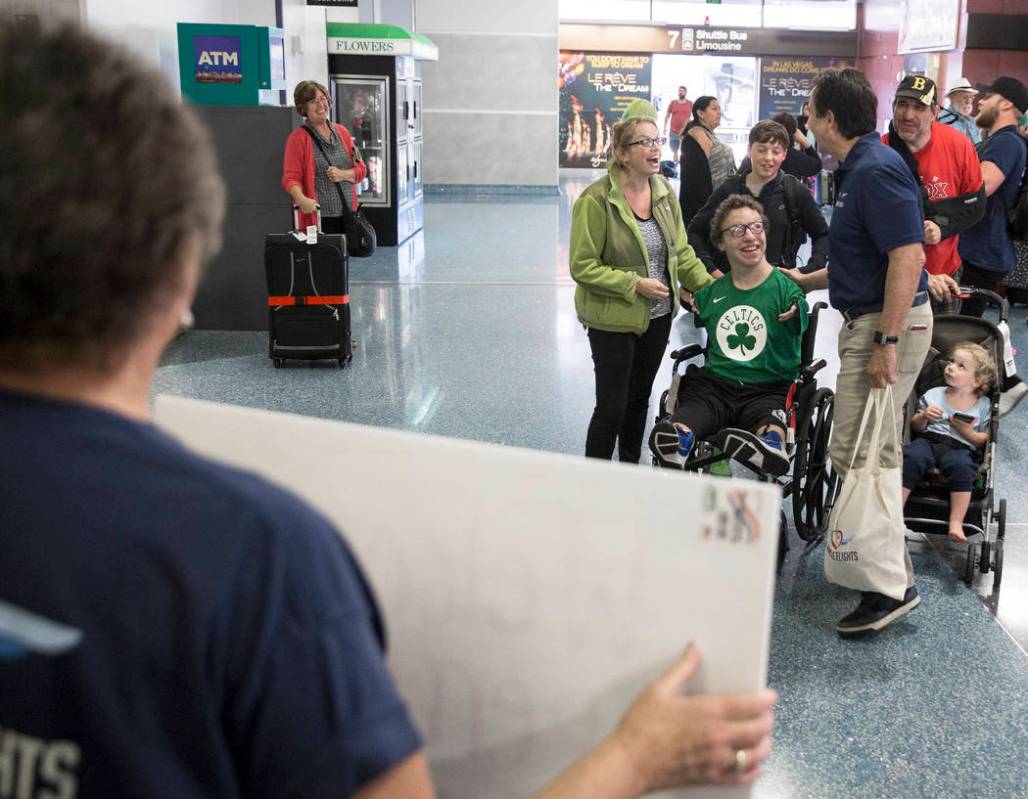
[361, 238]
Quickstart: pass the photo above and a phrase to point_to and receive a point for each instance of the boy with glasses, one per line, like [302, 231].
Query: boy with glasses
[755, 318]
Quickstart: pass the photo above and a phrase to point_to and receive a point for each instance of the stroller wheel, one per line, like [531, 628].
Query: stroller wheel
[997, 565]
[985, 562]
[783, 539]
[970, 563]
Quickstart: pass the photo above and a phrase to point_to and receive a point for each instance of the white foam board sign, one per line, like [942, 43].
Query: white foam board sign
[527, 596]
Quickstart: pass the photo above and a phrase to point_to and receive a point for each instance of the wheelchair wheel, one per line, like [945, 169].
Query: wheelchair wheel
[817, 488]
[661, 413]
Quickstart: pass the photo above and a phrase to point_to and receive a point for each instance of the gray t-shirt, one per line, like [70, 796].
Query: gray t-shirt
[721, 159]
[656, 250]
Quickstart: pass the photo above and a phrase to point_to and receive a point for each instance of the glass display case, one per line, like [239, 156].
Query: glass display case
[378, 99]
[361, 106]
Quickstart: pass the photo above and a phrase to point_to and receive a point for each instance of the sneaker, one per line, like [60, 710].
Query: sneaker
[876, 611]
[763, 454]
[664, 444]
[774, 447]
[1009, 399]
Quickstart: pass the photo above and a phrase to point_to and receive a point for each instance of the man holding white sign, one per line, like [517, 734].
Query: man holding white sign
[170, 626]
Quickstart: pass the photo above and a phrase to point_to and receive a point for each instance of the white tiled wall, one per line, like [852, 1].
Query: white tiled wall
[491, 99]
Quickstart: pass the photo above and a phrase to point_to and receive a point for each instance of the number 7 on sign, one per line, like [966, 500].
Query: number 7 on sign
[674, 38]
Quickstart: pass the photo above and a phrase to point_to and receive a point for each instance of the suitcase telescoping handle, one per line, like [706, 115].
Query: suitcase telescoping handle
[296, 217]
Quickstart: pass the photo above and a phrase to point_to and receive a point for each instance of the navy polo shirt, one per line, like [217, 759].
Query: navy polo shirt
[987, 244]
[877, 209]
[171, 627]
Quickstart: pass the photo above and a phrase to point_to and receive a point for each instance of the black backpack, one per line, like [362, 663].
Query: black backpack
[796, 236]
[1017, 214]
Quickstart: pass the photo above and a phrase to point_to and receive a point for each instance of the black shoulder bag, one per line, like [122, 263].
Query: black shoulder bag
[360, 235]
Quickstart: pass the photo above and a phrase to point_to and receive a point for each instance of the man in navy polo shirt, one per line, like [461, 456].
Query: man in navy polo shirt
[877, 280]
[171, 627]
[987, 249]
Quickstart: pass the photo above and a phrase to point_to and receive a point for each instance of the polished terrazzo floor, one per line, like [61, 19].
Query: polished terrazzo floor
[468, 330]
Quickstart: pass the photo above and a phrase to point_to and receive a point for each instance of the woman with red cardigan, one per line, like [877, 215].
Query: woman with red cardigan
[324, 175]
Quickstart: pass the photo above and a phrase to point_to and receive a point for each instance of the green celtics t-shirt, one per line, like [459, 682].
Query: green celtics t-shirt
[747, 343]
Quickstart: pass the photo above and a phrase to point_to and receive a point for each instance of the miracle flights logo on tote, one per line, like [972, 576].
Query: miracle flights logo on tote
[217, 59]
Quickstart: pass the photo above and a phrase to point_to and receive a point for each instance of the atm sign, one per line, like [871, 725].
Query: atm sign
[217, 59]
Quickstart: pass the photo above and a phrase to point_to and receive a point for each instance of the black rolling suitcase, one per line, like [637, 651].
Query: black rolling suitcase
[308, 297]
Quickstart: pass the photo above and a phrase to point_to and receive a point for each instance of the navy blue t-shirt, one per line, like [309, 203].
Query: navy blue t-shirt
[987, 244]
[170, 627]
[877, 209]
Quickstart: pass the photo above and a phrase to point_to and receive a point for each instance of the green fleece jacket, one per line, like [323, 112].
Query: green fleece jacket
[608, 255]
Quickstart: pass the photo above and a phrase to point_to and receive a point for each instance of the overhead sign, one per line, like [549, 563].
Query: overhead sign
[715, 40]
[352, 38]
[928, 25]
[702, 40]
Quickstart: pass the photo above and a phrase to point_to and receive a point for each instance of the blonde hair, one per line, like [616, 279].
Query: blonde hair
[622, 134]
[985, 372]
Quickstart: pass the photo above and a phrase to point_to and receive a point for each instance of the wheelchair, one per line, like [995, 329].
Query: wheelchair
[810, 485]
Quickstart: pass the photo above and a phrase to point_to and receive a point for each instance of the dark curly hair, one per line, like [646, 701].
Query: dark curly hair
[108, 184]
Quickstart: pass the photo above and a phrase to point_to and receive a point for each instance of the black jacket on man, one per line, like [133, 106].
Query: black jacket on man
[782, 232]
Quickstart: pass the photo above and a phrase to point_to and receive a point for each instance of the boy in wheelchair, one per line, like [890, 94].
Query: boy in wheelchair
[950, 429]
[755, 318]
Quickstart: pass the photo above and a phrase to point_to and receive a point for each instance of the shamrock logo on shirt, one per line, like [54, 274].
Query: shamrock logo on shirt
[741, 333]
[742, 340]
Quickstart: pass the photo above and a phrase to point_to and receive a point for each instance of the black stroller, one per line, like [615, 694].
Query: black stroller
[927, 509]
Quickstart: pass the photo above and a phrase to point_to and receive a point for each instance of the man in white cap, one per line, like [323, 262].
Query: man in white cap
[961, 96]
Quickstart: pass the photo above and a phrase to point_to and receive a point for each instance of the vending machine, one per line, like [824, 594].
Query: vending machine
[377, 97]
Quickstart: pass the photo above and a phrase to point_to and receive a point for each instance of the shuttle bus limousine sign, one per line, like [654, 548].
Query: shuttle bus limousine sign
[724, 40]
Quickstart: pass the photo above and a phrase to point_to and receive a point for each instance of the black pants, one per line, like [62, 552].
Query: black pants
[972, 275]
[625, 365]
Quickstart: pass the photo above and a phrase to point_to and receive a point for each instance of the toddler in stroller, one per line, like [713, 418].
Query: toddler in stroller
[951, 428]
[928, 506]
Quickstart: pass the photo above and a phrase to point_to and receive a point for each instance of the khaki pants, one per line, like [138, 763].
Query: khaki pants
[852, 390]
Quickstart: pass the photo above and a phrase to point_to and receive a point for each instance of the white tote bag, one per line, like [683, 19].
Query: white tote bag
[866, 546]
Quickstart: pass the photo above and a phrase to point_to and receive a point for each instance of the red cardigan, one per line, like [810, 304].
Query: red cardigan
[298, 166]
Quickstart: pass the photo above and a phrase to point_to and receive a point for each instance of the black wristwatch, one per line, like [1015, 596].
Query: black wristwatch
[881, 338]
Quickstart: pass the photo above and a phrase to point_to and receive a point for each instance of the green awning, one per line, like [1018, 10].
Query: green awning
[357, 38]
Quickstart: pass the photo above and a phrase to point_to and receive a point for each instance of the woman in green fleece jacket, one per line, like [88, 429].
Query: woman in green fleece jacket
[629, 255]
